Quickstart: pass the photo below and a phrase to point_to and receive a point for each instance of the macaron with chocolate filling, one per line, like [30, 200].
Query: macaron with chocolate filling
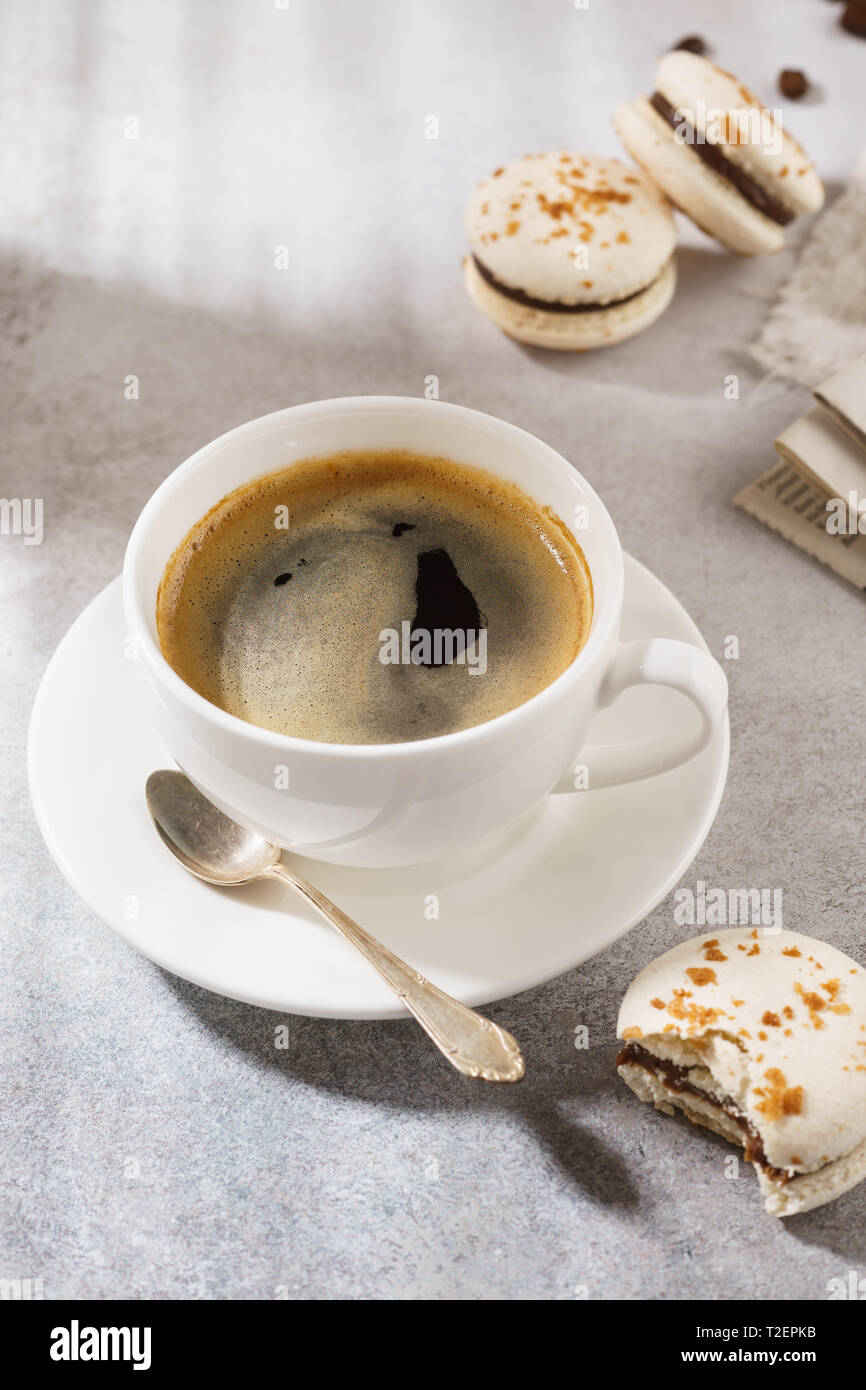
[570, 251]
[761, 1037]
[719, 154]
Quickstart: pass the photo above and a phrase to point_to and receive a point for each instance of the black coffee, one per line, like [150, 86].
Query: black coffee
[374, 598]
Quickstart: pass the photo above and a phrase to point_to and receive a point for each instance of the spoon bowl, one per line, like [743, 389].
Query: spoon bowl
[205, 840]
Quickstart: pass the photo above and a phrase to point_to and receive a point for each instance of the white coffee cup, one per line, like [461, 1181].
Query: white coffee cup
[400, 803]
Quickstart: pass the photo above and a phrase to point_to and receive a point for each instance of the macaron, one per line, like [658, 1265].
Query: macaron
[570, 251]
[719, 154]
[761, 1037]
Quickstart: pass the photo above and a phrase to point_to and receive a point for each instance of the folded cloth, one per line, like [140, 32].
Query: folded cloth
[818, 323]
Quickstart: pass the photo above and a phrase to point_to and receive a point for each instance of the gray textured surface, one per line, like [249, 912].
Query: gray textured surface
[161, 1146]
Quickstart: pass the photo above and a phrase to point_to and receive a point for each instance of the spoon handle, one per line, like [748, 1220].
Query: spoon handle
[472, 1043]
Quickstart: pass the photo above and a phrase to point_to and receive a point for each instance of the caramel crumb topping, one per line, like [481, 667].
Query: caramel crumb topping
[771, 1020]
[754, 950]
[714, 954]
[791, 951]
[700, 975]
[695, 1015]
[814, 1003]
[554, 210]
[577, 198]
[778, 1098]
[732, 128]
[792, 1101]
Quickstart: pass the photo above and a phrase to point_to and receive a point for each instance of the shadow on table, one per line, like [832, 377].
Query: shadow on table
[837, 1227]
[708, 281]
[392, 1063]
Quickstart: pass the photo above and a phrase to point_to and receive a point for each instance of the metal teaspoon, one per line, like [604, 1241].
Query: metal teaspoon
[214, 848]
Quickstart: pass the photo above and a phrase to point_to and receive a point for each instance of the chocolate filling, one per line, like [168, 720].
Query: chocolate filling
[676, 1078]
[551, 306]
[752, 191]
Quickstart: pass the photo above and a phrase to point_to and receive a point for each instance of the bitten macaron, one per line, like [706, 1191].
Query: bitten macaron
[570, 251]
[719, 154]
[760, 1037]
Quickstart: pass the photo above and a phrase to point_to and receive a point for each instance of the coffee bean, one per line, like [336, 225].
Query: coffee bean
[693, 44]
[854, 18]
[793, 83]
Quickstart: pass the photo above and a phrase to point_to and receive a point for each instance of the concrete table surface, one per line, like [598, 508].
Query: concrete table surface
[161, 1147]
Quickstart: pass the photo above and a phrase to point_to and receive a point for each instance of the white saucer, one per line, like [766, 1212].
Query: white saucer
[522, 909]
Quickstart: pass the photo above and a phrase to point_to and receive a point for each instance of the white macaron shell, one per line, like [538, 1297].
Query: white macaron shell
[726, 113]
[572, 332]
[780, 1022]
[571, 229]
[709, 200]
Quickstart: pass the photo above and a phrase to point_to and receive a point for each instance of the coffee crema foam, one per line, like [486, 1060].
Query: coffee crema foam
[274, 605]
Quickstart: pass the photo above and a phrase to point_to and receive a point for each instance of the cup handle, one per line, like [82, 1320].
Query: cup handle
[657, 661]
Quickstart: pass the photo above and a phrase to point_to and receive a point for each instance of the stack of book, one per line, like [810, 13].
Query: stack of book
[815, 492]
